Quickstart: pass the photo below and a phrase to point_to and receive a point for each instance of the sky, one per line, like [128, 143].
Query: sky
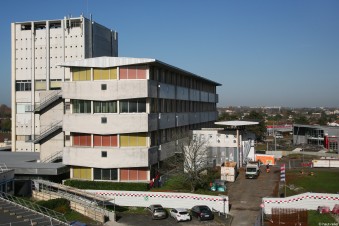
[263, 52]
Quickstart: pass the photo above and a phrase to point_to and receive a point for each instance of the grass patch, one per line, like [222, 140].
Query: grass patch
[322, 181]
[315, 218]
[63, 206]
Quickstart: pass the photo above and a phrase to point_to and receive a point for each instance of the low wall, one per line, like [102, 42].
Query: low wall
[334, 163]
[91, 213]
[279, 154]
[309, 201]
[166, 199]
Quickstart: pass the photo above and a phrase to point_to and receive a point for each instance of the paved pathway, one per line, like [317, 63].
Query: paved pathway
[245, 195]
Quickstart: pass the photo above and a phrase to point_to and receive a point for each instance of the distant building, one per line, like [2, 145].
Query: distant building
[230, 144]
[326, 136]
[279, 129]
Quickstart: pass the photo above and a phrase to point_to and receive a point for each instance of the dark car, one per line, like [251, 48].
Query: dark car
[202, 213]
[157, 211]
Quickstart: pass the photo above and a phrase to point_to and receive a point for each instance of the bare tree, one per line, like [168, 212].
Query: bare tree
[195, 160]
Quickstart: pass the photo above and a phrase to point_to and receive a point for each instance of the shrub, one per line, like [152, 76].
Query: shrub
[60, 205]
[102, 185]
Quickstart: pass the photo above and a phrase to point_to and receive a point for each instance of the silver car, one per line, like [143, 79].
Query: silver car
[157, 211]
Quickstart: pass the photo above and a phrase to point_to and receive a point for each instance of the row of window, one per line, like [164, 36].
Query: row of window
[140, 72]
[26, 85]
[139, 106]
[177, 79]
[125, 140]
[130, 72]
[126, 106]
[126, 174]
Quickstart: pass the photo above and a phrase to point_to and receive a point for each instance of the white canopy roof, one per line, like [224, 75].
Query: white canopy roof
[236, 123]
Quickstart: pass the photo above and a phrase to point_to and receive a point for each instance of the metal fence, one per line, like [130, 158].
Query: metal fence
[288, 217]
[31, 210]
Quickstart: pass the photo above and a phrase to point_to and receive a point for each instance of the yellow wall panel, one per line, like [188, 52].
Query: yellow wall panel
[133, 140]
[124, 140]
[105, 74]
[113, 73]
[142, 139]
[76, 172]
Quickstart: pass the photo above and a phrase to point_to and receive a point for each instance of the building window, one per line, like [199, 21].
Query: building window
[105, 106]
[55, 84]
[133, 106]
[133, 72]
[40, 85]
[133, 140]
[133, 174]
[81, 106]
[83, 173]
[105, 140]
[104, 73]
[103, 86]
[81, 139]
[23, 85]
[104, 154]
[81, 74]
[105, 174]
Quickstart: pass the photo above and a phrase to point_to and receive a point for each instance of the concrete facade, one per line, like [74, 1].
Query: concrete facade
[153, 107]
[111, 118]
[37, 48]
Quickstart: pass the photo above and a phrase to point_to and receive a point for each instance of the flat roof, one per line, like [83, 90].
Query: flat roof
[107, 62]
[236, 123]
[26, 163]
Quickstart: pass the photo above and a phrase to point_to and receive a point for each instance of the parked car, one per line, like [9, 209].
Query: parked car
[324, 209]
[202, 212]
[180, 214]
[157, 211]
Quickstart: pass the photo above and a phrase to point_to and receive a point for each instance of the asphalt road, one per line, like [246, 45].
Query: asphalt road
[245, 195]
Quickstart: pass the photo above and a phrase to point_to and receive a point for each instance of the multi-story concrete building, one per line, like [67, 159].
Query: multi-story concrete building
[110, 118]
[124, 115]
[37, 47]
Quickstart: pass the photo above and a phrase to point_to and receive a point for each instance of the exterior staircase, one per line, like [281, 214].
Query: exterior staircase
[48, 131]
[53, 158]
[45, 102]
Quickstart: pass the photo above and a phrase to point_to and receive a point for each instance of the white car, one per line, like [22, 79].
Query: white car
[180, 214]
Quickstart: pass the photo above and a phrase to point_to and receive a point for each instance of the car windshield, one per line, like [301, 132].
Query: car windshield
[183, 213]
[251, 169]
[204, 209]
[159, 210]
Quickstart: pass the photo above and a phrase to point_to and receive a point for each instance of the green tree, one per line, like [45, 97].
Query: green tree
[301, 119]
[260, 129]
[5, 125]
[227, 117]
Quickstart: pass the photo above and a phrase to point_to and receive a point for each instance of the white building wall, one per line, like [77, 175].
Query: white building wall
[116, 123]
[309, 201]
[116, 157]
[166, 199]
[116, 89]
